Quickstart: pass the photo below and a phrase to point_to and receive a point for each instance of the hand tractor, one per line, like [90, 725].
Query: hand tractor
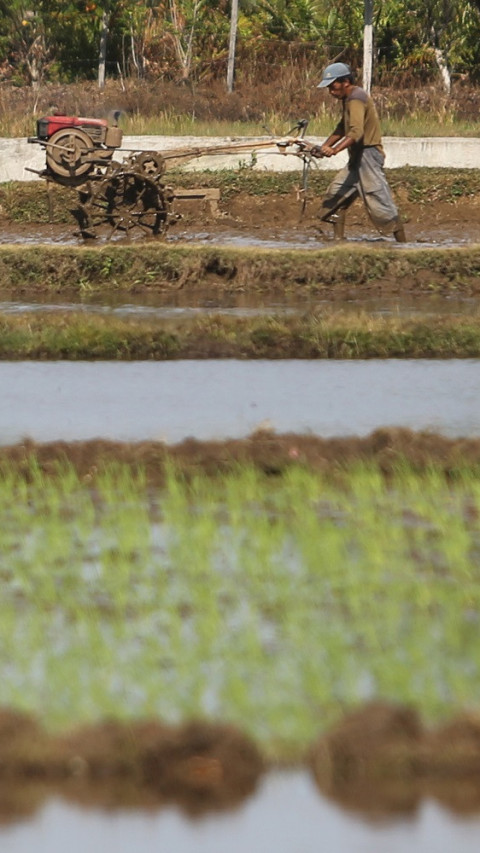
[125, 195]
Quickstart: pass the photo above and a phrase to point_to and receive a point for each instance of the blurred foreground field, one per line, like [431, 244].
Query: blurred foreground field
[271, 603]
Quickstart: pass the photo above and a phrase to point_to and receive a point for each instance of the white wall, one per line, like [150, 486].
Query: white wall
[17, 155]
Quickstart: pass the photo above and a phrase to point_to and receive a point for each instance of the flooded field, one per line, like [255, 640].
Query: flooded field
[228, 398]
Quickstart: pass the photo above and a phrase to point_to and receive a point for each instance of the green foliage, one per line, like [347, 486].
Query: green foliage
[189, 38]
[409, 31]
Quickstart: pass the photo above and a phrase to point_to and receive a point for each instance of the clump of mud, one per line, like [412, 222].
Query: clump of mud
[376, 740]
[381, 760]
[25, 747]
[452, 752]
[367, 761]
[109, 748]
[199, 765]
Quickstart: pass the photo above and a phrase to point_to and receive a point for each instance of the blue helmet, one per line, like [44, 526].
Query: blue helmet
[333, 72]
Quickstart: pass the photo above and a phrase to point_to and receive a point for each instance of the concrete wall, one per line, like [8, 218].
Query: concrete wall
[17, 155]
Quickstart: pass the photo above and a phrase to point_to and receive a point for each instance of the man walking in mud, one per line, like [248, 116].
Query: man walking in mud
[357, 132]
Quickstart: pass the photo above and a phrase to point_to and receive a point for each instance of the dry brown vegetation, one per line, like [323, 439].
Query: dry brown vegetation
[290, 95]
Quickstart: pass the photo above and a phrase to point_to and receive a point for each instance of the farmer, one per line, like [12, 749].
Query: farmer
[358, 131]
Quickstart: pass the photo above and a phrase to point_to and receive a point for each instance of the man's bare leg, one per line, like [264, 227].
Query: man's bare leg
[399, 232]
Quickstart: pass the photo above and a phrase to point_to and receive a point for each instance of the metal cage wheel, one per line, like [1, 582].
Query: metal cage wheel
[124, 201]
[150, 163]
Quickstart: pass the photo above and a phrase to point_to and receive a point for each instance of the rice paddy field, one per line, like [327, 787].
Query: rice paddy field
[275, 603]
[177, 618]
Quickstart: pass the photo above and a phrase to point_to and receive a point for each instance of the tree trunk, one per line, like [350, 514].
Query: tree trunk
[102, 55]
[442, 64]
[231, 47]
[183, 39]
[368, 46]
[35, 61]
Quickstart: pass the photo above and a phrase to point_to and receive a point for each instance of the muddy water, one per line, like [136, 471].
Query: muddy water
[180, 305]
[286, 816]
[228, 398]
[313, 239]
[156, 309]
[299, 237]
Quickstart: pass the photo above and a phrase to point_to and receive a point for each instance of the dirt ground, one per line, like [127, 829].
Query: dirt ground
[268, 451]
[282, 221]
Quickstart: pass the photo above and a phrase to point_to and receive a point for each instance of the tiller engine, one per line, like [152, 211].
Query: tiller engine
[75, 147]
[120, 195]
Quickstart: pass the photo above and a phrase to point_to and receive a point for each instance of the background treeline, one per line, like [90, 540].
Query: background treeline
[63, 41]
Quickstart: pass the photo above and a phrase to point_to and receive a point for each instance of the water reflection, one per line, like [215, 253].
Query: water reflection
[148, 312]
[286, 816]
[228, 398]
[180, 305]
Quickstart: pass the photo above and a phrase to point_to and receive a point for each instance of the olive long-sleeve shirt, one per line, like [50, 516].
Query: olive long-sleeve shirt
[360, 122]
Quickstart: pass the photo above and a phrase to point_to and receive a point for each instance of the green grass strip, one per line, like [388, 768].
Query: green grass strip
[323, 335]
[165, 268]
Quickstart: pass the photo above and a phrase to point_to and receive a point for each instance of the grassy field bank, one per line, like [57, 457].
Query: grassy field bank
[163, 268]
[318, 334]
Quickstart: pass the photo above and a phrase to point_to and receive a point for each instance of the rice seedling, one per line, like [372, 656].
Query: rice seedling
[269, 603]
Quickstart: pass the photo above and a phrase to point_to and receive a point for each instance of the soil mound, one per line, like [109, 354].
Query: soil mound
[110, 748]
[454, 748]
[376, 740]
[198, 765]
[267, 451]
[25, 747]
[366, 762]
[203, 764]
[380, 760]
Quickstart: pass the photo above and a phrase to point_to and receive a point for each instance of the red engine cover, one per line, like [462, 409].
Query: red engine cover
[50, 124]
